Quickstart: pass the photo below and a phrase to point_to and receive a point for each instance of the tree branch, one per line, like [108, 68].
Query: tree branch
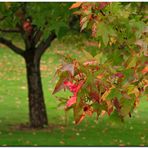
[25, 37]
[11, 46]
[9, 30]
[2, 18]
[45, 44]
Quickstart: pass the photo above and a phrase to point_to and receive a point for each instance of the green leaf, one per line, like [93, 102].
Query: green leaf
[100, 58]
[62, 31]
[115, 118]
[78, 112]
[85, 57]
[114, 93]
[105, 38]
[87, 54]
[126, 106]
[99, 107]
[105, 31]
[132, 62]
[60, 83]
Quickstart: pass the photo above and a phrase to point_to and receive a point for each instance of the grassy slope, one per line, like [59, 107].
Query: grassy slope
[14, 110]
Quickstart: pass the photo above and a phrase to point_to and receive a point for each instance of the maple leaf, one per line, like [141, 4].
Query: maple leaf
[117, 104]
[95, 96]
[93, 62]
[71, 101]
[102, 5]
[109, 107]
[74, 89]
[100, 76]
[68, 67]
[94, 30]
[80, 119]
[75, 5]
[145, 70]
[87, 110]
[119, 75]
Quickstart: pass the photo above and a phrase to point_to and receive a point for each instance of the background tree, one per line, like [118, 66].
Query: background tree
[36, 25]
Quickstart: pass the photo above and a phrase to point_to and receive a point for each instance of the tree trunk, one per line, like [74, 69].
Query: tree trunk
[37, 109]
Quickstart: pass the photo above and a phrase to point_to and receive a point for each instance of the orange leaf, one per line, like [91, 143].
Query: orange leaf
[75, 5]
[80, 119]
[100, 76]
[145, 70]
[103, 112]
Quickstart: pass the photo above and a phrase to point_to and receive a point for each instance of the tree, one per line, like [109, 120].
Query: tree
[37, 25]
[112, 77]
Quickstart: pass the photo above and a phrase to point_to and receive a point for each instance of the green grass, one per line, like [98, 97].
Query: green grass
[14, 110]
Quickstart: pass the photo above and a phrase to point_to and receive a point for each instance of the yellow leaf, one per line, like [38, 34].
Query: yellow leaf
[133, 90]
[136, 92]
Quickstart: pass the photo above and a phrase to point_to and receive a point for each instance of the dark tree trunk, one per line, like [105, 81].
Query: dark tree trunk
[32, 55]
[37, 109]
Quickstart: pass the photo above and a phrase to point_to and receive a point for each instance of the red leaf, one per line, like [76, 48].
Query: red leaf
[117, 104]
[94, 96]
[74, 87]
[119, 75]
[27, 26]
[102, 5]
[71, 101]
[88, 110]
[75, 5]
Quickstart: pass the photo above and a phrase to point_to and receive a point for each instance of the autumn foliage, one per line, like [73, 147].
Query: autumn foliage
[105, 82]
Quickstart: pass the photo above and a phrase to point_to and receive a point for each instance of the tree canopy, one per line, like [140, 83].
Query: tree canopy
[35, 25]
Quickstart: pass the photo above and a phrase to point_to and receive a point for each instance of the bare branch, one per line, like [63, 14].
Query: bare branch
[9, 30]
[25, 37]
[37, 36]
[2, 18]
[11, 46]
[45, 44]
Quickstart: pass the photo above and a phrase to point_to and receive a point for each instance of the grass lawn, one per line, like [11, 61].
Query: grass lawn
[14, 110]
